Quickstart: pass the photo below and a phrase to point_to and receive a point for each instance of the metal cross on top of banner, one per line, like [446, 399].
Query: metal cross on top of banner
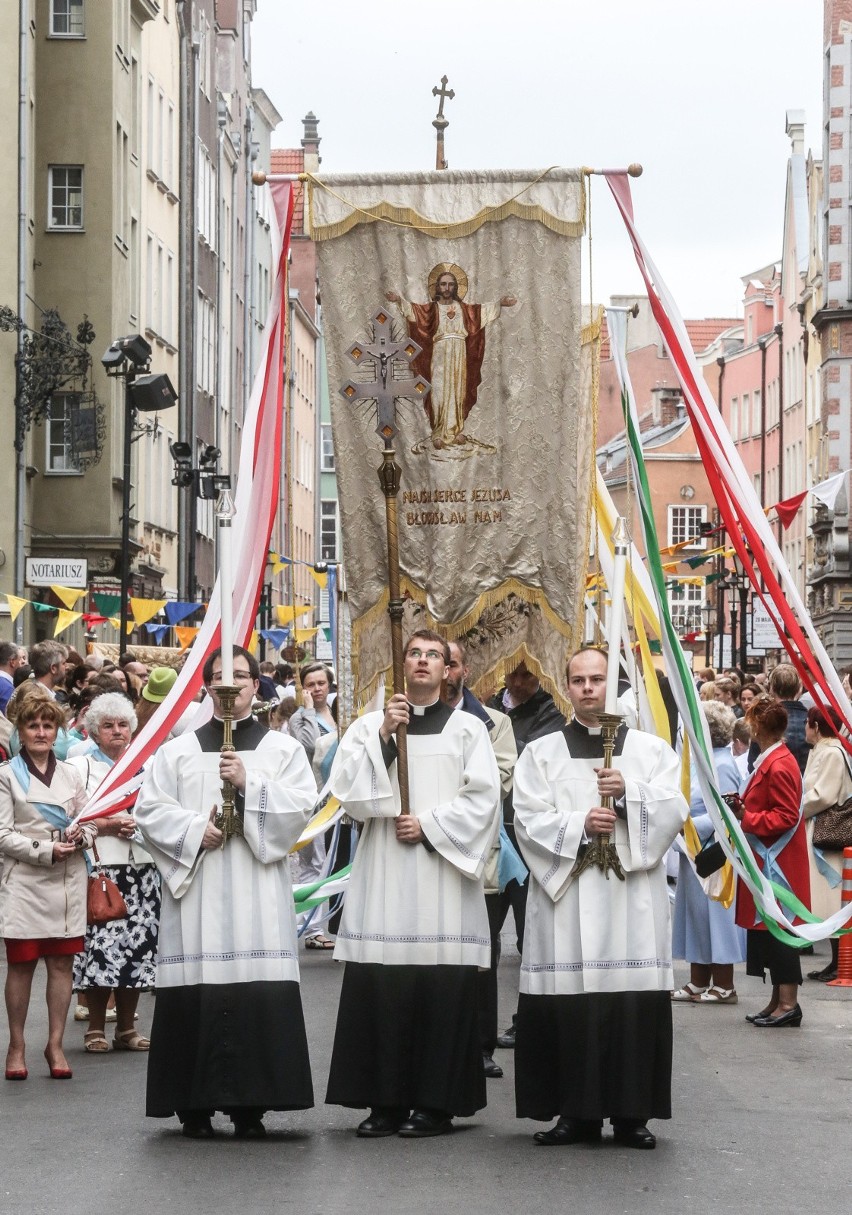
[384, 352]
[440, 123]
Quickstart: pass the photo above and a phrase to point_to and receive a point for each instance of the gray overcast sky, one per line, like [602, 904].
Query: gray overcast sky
[696, 93]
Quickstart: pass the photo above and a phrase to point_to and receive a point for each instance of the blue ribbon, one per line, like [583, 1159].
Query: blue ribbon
[509, 864]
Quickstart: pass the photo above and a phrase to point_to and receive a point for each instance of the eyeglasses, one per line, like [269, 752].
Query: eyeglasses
[430, 654]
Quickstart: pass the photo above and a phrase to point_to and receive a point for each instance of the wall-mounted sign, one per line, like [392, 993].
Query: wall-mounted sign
[57, 571]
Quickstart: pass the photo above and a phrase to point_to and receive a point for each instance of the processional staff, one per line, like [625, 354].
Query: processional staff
[227, 820]
[384, 353]
[440, 123]
[602, 851]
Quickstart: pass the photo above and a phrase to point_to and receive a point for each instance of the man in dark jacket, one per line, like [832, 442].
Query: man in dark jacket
[532, 712]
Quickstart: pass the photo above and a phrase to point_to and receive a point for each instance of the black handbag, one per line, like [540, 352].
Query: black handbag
[710, 859]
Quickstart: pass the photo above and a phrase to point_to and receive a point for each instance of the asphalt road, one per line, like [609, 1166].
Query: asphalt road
[761, 1124]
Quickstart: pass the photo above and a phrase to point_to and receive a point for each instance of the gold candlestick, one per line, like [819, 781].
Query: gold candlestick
[227, 820]
[601, 851]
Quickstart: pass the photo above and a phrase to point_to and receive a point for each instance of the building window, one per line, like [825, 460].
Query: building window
[327, 456]
[328, 530]
[756, 406]
[735, 417]
[747, 416]
[685, 525]
[65, 195]
[66, 19]
[685, 604]
[58, 457]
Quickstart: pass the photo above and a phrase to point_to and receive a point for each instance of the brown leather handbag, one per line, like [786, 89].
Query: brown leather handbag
[104, 900]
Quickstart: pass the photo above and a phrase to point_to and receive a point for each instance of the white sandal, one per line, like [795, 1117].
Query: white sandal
[719, 995]
[689, 993]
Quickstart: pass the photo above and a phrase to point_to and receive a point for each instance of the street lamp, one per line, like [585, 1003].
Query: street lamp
[128, 359]
[708, 621]
[207, 482]
[743, 588]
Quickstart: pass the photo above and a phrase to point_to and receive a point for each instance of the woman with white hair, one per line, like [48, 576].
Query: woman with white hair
[119, 956]
[703, 931]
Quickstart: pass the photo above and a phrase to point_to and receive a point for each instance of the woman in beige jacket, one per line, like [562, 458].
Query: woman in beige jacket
[827, 783]
[43, 891]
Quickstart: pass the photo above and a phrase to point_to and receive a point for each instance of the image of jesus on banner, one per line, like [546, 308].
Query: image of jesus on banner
[452, 336]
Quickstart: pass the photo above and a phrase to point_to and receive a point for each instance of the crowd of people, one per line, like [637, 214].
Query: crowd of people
[489, 807]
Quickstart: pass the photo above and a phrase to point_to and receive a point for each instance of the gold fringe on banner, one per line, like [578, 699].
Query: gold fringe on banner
[407, 217]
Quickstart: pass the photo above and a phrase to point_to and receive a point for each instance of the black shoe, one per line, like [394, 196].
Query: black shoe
[507, 1038]
[493, 1071]
[753, 1017]
[249, 1128]
[826, 974]
[198, 1127]
[793, 1017]
[423, 1123]
[381, 1122]
[567, 1131]
[634, 1136]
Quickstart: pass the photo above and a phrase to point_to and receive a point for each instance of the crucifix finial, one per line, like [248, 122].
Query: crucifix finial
[440, 123]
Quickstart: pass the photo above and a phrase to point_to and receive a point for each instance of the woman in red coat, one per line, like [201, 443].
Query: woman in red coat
[771, 815]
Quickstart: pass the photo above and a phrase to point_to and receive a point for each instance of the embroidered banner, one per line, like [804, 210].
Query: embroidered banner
[482, 273]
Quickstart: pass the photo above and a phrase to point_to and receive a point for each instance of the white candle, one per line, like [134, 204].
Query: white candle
[616, 614]
[224, 515]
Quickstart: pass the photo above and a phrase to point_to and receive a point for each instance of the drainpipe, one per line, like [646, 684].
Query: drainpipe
[23, 179]
[779, 333]
[188, 289]
[762, 344]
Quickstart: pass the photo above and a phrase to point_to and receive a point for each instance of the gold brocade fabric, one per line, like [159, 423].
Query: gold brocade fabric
[495, 502]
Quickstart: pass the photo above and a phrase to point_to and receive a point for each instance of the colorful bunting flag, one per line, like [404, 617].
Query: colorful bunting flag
[144, 610]
[68, 595]
[177, 611]
[789, 508]
[64, 619]
[16, 605]
[185, 634]
[107, 604]
[826, 491]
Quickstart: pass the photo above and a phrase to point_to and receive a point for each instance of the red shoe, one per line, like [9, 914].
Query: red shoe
[58, 1073]
[19, 1073]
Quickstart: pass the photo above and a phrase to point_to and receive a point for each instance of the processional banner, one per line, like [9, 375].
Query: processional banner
[480, 274]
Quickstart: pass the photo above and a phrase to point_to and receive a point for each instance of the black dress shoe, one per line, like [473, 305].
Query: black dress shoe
[249, 1128]
[198, 1127]
[424, 1123]
[752, 1017]
[507, 1038]
[567, 1131]
[383, 1121]
[793, 1016]
[493, 1071]
[826, 974]
[634, 1137]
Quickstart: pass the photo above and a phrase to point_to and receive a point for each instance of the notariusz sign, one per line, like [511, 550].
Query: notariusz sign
[57, 571]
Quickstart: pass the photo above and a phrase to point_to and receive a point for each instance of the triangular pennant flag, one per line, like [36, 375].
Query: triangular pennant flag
[286, 613]
[144, 610]
[157, 631]
[68, 595]
[789, 508]
[115, 621]
[694, 562]
[252, 642]
[16, 605]
[304, 634]
[281, 564]
[185, 634]
[826, 491]
[92, 618]
[321, 579]
[43, 607]
[64, 619]
[107, 605]
[176, 612]
[327, 634]
[275, 637]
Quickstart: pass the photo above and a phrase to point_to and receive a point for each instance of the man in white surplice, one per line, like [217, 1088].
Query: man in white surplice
[594, 1034]
[228, 1031]
[414, 928]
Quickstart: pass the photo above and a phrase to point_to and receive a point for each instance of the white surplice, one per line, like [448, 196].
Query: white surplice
[589, 933]
[227, 913]
[406, 904]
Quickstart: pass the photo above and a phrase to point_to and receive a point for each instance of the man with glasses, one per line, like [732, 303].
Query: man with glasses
[228, 1031]
[415, 927]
